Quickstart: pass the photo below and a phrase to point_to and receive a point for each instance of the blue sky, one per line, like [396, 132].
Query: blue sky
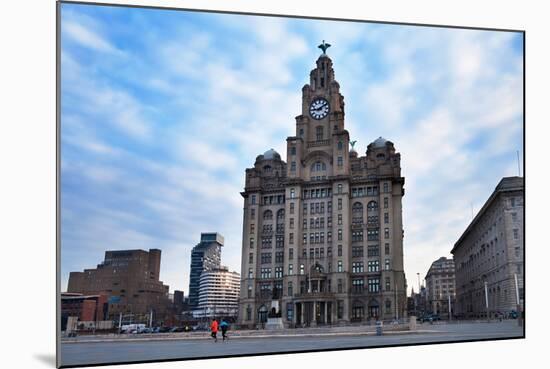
[162, 111]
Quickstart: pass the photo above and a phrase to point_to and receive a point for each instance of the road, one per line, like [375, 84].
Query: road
[150, 350]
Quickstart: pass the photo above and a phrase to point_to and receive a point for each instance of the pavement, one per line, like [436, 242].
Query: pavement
[151, 349]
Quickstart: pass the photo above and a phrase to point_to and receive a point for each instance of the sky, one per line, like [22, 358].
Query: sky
[162, 111]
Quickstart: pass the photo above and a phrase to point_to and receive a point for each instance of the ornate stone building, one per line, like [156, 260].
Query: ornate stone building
[488, 256]
[323, 232]
[440, 284]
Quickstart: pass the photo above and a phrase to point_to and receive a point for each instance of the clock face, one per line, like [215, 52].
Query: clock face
[319, 108]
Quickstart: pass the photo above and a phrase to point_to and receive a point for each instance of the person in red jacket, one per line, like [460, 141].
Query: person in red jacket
[214, 329]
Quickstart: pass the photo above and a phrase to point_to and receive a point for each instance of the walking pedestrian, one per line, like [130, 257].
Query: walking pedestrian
[214, 329]
[224, 326]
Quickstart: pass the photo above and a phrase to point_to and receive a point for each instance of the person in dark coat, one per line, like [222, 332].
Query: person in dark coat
[224, 326]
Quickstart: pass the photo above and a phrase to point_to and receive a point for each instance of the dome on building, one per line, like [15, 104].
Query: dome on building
[380, 142]
[272, 155]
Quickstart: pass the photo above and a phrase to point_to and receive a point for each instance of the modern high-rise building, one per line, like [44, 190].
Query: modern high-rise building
[440, 284]
[218, 293]
[489, 255]
[206, 255]
[323, 232]
[130, 278]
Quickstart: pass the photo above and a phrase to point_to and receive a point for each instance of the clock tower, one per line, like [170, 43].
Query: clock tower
[322, 231]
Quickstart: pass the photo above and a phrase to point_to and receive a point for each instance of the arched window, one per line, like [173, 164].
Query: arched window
[268, 215]
[280, 215]
[340, 144]
[357, 311]
[319, 133]
[357, 213]
[267, 169]
[318, 166]
[372, 206]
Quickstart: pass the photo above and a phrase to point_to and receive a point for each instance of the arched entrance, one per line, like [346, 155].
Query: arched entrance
[262, 314]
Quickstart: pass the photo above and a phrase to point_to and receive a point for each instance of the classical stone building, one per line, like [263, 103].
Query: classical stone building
[206, 255]
[323, 232]
[490, 252]
[440, 284]
[130, 278]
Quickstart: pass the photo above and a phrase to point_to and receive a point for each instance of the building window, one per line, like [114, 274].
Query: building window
[388, 307]
[290, 292]
[291, 238]
[514, 217]
[339, 250]
[305, 239]
[340, 266]
[339, 235]
[372, 234]
[278, 272]
[249, 291]
[386, 218]
[386, 203]
[373, 266]
[305, 209]
[340, 188]
[329, 251]
[250, 273]
[251, 228]
[340, 286]
[374, 284]
[340, 145]
[386, 233]
[290, 254]
[386, 187]
[329, 237]
[357, 213]
[339, 219]
[265, 273]
[357, 284]
[251, 242]
[291, 223]
[253, 200]
[279, 256]
[301, 132]
[248, 313]
[293, 150]
[387, 264]
[292, 193]
[340, 161]
[373, 250]
[290, 269]
[516, 234]
[268, 215]
[319, 133]
[252, 213]
[291, 208]
[251, 258]
[357, 251]
[387, 248]
[513, 202]
[372, 206]
[388, 284]
[357, 236]
[301, 269]
[357, 267]
[266, 258]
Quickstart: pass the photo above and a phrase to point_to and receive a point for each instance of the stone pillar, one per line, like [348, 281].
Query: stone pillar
[412, 323]
[314, 318]
[325, 314]
[303, 305]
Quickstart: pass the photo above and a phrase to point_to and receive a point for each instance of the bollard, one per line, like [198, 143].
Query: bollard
[378, 328]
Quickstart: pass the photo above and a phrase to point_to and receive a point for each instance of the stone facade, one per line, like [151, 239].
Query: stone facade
[491, 251]
[323, 232]
[130, 278]
[440, 283]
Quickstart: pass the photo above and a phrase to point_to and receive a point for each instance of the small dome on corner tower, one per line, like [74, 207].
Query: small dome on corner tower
[380, 142]
[271, 155]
